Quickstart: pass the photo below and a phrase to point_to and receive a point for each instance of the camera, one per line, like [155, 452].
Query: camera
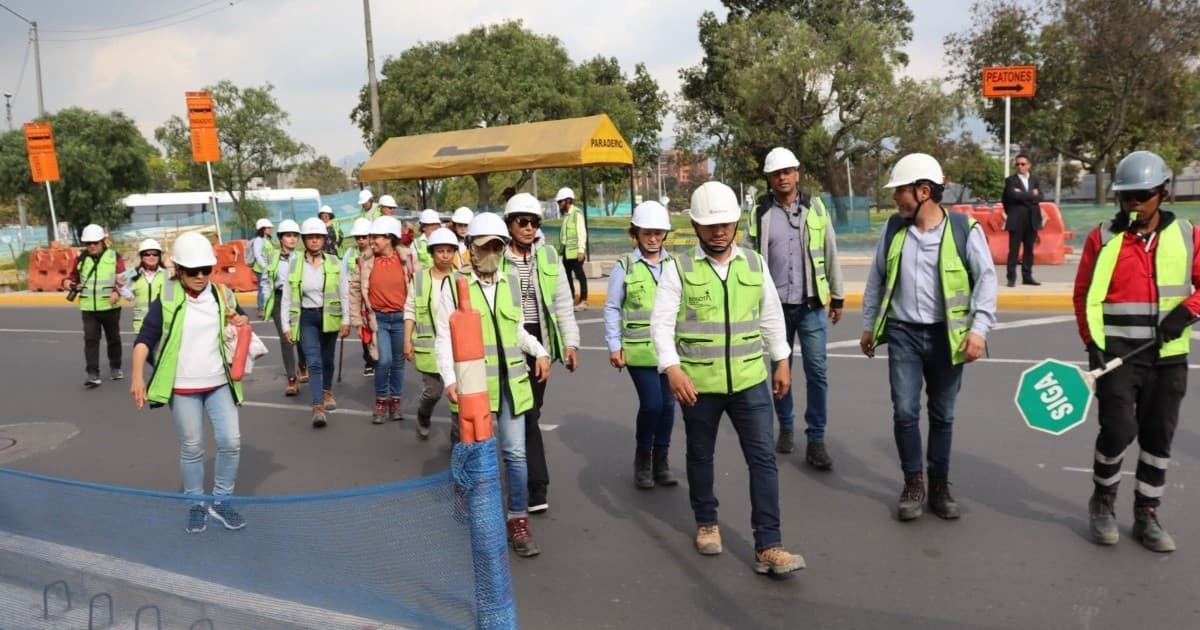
[73, 293]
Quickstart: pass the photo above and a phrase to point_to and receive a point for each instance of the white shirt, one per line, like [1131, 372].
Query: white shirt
[312, 289]
[1024, 181]
[666, 310]
[441, 345]
[199, 365]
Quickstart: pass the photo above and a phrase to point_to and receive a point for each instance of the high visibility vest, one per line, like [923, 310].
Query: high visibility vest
[1119, 327]
[97, 279]
[331, 300]
[174, 308]
[425, 290]
[421, 245]
[717, 331]
[333, 242]
[817, 224]
[272, 278]
[268, 248]
[500, 343]
[954, 276]
[640, 286]
[546, 263]
[144, 293]
[568, 236]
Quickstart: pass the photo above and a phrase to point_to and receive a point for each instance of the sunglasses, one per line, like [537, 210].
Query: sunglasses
[192, 272]
[1137, 195]
[1022, 163]
[150, 254]
[527, 221]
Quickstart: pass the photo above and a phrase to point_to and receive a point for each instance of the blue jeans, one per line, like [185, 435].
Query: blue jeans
[389, 371]
[750, 413]
[512, 451]
[189, 411]
[809, 325]
[263, 288]
[916, 352]
[656, 409]
[319, 349]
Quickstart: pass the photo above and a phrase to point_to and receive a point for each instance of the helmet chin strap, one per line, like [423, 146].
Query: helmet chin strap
[710, 249]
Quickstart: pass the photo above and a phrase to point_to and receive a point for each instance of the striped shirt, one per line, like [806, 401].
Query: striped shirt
[526, 272]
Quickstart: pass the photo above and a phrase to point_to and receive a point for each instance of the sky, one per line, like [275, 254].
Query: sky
[140, 56]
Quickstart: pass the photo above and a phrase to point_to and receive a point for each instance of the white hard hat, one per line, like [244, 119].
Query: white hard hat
[262, 223]
[149, 245]
[564, 193]
[312, 226]
[361, 227]
[288, 225]
[916, 167]
[443, 236]
[429, 217]
[191, 250]
[525, 203]
[778, 159]
[463, 216]
[325, 210]
[386, 225]
[487, 224]
[652, 216]
[387, 200]
[714, 203]
[92, 234]
[364, 196]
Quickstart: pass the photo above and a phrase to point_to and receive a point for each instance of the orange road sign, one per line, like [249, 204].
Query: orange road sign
[39, 143]
[202, 121]
[1012, 81]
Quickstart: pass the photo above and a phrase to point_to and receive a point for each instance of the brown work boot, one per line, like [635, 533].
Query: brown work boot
[777, 561]
[708, 540]
[381, 411]
[911, 498]
[303, 373]
[394, 412]
[292, 389]
[330, 401]
[319, 419]
[423, 424]
[520, 538]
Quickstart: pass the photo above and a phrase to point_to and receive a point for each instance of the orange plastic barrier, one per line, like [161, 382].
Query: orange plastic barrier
[466, 340]
[231, 269]
[1051, 249]
[49, 266]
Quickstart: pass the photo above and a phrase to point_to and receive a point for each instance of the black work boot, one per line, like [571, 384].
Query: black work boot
[786, 442]
[940, 500]
[662, 470]
[817, 456]
[643, 473]
[912, 497]
[1148, 531]
[1102, 518]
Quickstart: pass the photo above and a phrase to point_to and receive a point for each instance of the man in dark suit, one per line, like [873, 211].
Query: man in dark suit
[1023, 219]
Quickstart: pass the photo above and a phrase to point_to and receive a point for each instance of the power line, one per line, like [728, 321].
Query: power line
[24, 64]
[19, 16]
[230, 4]
[133, 24]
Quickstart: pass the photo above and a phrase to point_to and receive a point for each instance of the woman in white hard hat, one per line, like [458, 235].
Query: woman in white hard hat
[333, 240]
[276, 280]
[184, 329]
[258, 255]
[147, 280]
[419, 329]
[429, 221]
[627, 307]
[387, 206]
[377, 296]
[461, 219]
[351, 262]
[366, 200]
[315, 301]
[96, 280]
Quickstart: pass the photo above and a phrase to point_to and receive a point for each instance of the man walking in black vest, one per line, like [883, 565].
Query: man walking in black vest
[1021, 199]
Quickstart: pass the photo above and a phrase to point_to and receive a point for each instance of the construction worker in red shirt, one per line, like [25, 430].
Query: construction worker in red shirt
[1137, 283]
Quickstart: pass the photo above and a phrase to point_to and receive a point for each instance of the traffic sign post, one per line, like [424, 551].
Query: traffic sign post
[1009, 82]
[43, 161]
[206, 146]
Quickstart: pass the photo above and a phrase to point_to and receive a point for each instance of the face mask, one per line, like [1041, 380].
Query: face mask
[485, 263]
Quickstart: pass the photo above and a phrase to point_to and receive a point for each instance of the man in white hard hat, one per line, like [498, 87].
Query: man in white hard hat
[572, 243]
[931, 295]
[352, 261]
[549, 316]
[96, 281]
[714, 311]
[792, 231]
[366, 201]
[429, 222]
[387, 206]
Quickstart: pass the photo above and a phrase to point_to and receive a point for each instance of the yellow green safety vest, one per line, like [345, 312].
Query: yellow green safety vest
[500, 342]
[955, 278]
[718, 330]
[568, 235]
[1120, 327]
[144, 293]
[817, 222]
[97, 279]
[331, 300]
[424, 311]
[546, 264]
[268, 248]
[272, 277]
[640, 286]
[174, 308]
[423, 255]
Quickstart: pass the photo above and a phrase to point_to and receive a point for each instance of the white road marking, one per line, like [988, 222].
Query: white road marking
[1037, 321]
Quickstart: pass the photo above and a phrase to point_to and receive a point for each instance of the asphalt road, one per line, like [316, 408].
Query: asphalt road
[614, 556]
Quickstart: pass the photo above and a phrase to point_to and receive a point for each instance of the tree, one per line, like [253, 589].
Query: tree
[322, 174]
[965, 163]
[251, 127]
[1112, 76]
[102, 158]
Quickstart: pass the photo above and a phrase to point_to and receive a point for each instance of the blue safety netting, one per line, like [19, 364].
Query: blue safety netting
[400, 553]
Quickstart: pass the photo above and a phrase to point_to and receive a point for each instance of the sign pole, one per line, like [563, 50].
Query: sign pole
[53, 218]
[212, 198]
[1007, 130]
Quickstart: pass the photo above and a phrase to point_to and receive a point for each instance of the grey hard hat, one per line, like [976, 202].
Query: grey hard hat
[1140, 170]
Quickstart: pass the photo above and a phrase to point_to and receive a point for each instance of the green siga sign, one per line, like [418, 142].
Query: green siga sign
[1054, 396]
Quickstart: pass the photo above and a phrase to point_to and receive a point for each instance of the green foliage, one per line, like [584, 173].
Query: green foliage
[101, 157]
[965, 163]
[322, 174]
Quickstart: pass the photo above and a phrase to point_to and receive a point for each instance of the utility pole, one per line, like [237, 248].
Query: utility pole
[37, 58]
[8, 96]
[372, 82]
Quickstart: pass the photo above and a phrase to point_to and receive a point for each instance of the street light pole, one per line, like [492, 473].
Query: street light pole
[8, 96]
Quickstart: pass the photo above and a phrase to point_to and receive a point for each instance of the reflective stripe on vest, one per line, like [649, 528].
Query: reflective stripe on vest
[1128, 324]
[500, 343]
[173, 303]
[273, 279]
[816, 220]
[423, 324]
[331, 299]
[956, 288]
[640, 286]
[96, 287]
[546, 261]
[144, 293]
[717, 331]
